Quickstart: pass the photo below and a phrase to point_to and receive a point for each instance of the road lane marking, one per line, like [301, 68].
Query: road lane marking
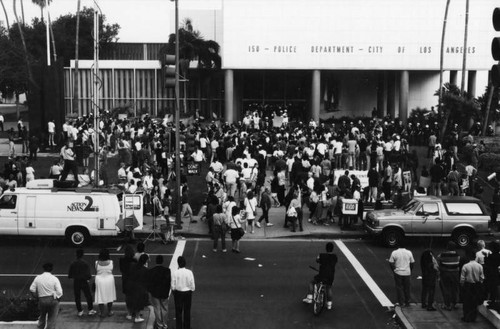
[379, 294]
[179, 250]
[118, 254]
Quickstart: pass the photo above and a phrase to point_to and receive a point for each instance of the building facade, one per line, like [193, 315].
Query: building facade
[319, 58]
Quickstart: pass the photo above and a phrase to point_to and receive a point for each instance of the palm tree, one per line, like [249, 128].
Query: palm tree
[193, 46]
[441, 61]
[76, 102]
[6, 18]
[462, 85]
[42, 4]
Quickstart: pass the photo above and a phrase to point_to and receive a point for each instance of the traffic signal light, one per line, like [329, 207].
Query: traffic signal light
[495, 49]
[170, 71]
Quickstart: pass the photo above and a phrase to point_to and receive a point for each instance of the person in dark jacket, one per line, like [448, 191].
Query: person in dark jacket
[158, 286]
[265, 204]
[449, 266]
[430, 274]
[137, 293]
[491, 274]
[79, 271]
[126, 263]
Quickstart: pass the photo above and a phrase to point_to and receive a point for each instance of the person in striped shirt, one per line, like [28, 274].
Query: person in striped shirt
[449, 265]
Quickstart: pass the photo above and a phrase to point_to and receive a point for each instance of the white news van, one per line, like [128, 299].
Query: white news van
[77, 214]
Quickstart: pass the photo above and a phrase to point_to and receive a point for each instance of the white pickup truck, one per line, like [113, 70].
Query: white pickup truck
[459, 217]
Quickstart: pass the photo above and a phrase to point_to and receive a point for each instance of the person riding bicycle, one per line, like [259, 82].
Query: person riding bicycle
[327, 262]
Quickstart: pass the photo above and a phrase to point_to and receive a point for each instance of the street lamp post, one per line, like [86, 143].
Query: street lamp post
[177, 119]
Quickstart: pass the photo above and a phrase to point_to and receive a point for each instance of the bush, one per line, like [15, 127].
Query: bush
[18, 308]
[489, 162]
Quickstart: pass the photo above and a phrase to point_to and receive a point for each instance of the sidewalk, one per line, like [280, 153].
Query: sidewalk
[415, 317]
[67, 318]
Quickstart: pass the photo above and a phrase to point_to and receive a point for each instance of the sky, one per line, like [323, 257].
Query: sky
[140, 20]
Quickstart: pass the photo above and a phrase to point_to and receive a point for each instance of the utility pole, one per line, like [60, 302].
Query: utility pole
[95, 96]
[178, 218]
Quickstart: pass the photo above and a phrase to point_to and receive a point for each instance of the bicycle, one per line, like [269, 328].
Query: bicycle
[319, 295]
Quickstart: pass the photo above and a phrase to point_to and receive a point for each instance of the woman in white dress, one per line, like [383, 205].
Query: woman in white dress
[105, 292]
[30, 172]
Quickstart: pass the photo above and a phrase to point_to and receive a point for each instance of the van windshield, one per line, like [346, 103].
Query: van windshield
[411, 206]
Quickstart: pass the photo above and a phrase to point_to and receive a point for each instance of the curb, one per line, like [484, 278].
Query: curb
[402, 318]
[320, 236]
[491, 315]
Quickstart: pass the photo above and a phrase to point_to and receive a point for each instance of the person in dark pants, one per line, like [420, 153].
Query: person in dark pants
[265, 204]
[449, 265]
[491, 275]
[402, 262]
[33, 146]
[430, 273]
[69, 162]
[159, 289]
[79, 271]
[471, 279]
[183, 287]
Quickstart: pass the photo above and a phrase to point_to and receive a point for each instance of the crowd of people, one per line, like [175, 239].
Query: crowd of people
[468, 276]
[142, 284]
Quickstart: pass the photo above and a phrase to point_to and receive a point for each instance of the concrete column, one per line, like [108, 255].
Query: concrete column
[404, 89]
[453, 77]
[471, 83]
[381, 101]
[391, 94]
[316, 95]
[229, 96]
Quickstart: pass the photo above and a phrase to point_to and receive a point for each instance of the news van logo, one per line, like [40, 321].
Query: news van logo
[83, 206]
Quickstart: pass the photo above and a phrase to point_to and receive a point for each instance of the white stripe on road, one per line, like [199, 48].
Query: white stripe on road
[118, 254]
[179, 250]
[6, 275]
[379, 294]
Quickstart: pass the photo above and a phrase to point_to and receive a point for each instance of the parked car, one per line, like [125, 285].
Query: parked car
[459, 217]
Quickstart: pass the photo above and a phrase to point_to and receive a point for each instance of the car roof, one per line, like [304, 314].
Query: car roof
[468, 199]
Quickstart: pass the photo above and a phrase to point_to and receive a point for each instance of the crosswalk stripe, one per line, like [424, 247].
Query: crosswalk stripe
[379, 294]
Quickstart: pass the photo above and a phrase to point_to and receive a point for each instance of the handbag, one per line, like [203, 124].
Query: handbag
[238, 231]
[253, 210]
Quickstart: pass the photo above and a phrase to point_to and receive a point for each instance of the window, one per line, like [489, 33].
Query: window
[463, 209]
[8, 202]
[428, 209]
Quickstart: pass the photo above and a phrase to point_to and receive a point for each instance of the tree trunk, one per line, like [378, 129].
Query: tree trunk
[464, 62]
[441, 64]
[21, 33]
[22, 9]
[52, 34]
[492, 89]
[76, 103]
[6, 18]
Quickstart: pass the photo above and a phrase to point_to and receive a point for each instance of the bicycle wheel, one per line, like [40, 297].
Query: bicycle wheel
[318, 299]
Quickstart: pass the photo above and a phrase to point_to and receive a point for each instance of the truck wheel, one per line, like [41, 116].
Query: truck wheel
[392, 237]
[463, 238]
[77, 236]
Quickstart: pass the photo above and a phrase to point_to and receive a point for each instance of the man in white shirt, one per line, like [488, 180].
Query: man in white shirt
[2, 119]
[402, 262]
[51, 128]
[47, 288]
[230, 177]
[183, 287]
[198, 155]
[69, 162]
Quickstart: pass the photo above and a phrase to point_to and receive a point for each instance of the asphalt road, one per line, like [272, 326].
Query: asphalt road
[260, 288]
